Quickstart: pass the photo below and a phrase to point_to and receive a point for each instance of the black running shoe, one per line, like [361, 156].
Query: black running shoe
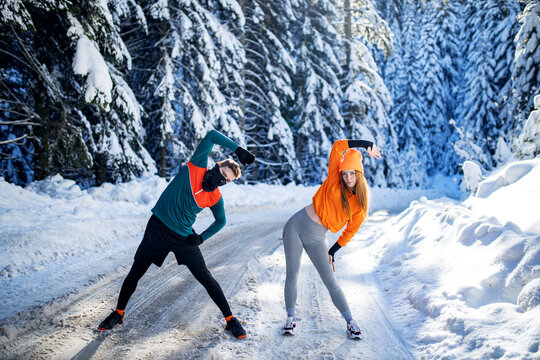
[235, 328]
[111, 321]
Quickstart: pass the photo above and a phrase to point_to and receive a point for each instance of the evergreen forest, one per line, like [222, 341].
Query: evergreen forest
[110, 90]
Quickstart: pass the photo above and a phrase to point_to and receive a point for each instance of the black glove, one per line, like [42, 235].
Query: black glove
[194, 239]
[244, 156]
[333, 249]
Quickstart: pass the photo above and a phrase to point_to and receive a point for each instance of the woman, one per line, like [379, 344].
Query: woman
[341, 199]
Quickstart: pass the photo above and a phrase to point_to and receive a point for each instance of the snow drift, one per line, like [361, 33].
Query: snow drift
[469, 272]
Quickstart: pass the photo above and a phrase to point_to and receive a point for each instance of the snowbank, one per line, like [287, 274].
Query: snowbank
[511, 194]
[469, 273]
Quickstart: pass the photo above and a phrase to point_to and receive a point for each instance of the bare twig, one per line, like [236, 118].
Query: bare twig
[4, 142]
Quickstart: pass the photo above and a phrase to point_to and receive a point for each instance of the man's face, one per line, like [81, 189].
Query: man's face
[227, 173]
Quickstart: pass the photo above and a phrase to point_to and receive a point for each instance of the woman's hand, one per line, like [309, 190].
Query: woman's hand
[332, 253]
[374, 151]
[331, 261]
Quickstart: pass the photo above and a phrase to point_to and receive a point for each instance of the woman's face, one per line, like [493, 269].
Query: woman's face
[349, 177]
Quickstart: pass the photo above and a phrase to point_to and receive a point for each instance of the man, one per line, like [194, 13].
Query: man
[170, 227]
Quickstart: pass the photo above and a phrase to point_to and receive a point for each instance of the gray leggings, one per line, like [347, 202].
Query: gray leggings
[299, 233]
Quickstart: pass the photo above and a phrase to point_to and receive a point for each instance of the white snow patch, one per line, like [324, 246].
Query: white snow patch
[472, 174]
[468, 274]
[511, 194]
[529, 297]
[89, 62]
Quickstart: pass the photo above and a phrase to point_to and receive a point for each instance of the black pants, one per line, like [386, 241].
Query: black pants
[157, 242]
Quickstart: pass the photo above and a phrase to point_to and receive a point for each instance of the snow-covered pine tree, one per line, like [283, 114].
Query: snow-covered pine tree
[507, 31]
[208, 71]
[360, 19]
[441, 86]
[318, 121]
[366, 99]
[422, 76]
[36, 118]
[268, 71]
[408, 113]
[152, 39]
[391, 12]
[110, 116]
[490, 28]
[403, 77]
[17, 119]
[90, 128]
[449, 22]
[526, 72]
[528, 143]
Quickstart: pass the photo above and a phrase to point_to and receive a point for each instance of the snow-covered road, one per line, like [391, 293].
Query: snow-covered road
[171, 316]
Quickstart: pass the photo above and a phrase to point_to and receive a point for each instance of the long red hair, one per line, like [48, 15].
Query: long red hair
[360, 190]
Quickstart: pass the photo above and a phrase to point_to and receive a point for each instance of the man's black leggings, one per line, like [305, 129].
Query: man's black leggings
[158, 241]
[200, 273]
[130, 282]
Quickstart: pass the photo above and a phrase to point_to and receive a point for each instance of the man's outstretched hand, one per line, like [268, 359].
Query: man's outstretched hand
[244, 156]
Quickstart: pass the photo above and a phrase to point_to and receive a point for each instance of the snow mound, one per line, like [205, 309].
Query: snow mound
[56, 187]
[144, 191]
[470, 271]
[510, 174]
[529, 297]
[472, 174]
[511, 194]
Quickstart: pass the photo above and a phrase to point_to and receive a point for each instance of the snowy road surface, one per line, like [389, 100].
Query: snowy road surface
[170, 316]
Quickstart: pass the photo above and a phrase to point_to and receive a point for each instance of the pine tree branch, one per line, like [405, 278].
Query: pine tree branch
[257, 144]
[253, 113]
[135, 45]
[251, 51]
[261, 93]
[259, 160]
[180, 63]
[37, 69]
[250, 128]
[251, 146]
[127, 32]
[4, 142]
[15, 56]
[29, 114]
[18, 122]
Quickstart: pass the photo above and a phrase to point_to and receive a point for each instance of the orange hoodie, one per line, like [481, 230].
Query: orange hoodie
[327, 200]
